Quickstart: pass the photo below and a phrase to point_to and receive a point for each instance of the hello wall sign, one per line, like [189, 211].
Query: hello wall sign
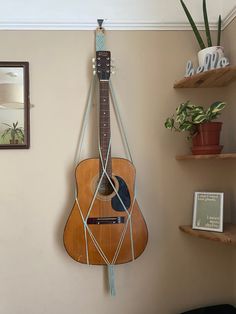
[211, 61]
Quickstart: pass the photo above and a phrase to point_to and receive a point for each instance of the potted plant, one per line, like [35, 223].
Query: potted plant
[16, 133]
[210, 48]
[204, 133]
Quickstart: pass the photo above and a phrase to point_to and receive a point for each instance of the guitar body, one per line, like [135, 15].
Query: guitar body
[107, 218]
[105, 225]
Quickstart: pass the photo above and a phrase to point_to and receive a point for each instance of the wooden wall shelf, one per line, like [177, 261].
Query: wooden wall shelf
[228, 236]
[198, 157]
[212, 78]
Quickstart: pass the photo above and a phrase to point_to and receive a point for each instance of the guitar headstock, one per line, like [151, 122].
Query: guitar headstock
[103, 65]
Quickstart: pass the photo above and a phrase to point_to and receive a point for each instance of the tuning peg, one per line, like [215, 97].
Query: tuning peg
[94, 72]
[113, 72]
[94, 66]
[93, 60]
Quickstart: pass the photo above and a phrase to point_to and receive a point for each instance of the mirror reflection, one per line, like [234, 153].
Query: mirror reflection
[13, 105]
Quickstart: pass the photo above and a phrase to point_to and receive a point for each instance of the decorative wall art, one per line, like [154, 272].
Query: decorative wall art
[208, 211]
[14, 105]
[211, 61]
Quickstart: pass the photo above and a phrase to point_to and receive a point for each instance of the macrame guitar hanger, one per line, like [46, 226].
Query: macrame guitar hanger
[100, 45]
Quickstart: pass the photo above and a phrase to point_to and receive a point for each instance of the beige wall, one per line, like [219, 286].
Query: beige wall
[176, 272]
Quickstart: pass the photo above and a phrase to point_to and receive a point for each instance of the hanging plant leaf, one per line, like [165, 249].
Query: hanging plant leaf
[217, 106]
[186, 126]
[181, 108]
[181, 117]
[189, 105]
[199, 118]
[169, 124]
[198, 109]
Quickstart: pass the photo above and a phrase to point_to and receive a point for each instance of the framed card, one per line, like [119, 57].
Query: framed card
[208, 211]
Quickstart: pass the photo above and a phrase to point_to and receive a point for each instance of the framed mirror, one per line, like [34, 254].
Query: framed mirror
[14, 105]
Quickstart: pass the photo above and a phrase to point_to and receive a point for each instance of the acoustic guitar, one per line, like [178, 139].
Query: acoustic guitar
[104, 227]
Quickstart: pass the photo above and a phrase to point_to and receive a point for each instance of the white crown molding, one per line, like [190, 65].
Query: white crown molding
[229, 18]
[110, 25]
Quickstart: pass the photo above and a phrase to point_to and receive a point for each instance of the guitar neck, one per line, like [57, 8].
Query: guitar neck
[104, 127]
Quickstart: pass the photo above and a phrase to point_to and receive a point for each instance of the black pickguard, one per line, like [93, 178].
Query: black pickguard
[124, 195]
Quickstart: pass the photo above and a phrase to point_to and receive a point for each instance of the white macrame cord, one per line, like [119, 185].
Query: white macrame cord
[104, 173]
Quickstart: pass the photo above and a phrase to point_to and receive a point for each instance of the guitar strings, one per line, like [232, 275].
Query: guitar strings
[104, 168]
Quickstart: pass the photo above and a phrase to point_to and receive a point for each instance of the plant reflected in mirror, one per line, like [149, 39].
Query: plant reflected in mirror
[13, 134]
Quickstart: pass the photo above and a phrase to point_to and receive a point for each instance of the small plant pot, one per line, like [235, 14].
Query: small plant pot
[210, 50]
[207, 140]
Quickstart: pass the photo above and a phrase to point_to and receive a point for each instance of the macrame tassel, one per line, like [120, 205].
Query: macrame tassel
[111, 279]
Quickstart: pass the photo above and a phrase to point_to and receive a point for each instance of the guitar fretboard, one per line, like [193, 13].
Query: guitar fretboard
[104, 129]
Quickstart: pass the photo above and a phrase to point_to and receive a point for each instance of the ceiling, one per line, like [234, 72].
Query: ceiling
[118, 14]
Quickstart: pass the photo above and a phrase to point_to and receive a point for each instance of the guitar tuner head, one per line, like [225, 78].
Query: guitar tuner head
[103, 64]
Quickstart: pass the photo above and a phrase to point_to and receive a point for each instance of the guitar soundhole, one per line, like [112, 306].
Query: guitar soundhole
[106, 187]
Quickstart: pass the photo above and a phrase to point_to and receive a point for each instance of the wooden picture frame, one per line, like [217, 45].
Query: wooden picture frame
[208, 211]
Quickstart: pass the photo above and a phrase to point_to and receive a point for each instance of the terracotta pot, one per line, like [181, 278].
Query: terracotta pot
[207, 140]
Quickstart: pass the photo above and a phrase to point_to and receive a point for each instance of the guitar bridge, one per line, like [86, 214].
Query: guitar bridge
[105, 220]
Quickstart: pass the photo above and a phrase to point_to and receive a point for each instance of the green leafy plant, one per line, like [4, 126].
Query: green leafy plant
[189, 116]
[15, 132]
[207, 28]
